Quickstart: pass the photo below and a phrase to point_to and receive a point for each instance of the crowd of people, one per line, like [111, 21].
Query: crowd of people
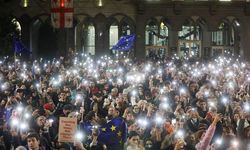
[125, 104]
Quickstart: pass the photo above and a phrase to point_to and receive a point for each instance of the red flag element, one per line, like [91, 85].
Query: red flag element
[62, 3]
[62, 13]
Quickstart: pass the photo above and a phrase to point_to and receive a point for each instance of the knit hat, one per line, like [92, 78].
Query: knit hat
[48, 106]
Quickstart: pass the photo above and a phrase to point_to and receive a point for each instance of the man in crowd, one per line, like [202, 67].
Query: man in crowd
[33, 141]
[164, 103]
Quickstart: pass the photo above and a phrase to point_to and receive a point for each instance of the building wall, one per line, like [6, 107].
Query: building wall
[212, 12]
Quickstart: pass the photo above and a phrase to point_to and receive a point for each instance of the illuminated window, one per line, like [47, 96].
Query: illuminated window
[156, 38]
[189, 44]
[223, 40]
[125, 29]
[222, 36]
[163, 40]
[217, 38]
[113, 35]
[190, 32]
[89, 39]
[150, 33]
[156, 34]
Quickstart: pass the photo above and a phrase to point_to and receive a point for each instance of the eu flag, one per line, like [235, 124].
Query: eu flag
[125, 43]
[19, 46]
[86, 128]
[114, 133]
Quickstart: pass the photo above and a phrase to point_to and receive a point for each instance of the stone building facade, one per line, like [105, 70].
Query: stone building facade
[38, 34]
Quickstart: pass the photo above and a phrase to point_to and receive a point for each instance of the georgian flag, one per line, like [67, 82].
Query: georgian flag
[62, 13]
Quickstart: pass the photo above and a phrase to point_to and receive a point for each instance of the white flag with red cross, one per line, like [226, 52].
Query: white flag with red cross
[62, 13]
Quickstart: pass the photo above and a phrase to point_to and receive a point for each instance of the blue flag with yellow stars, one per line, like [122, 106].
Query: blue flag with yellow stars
[114, 133]
[125, 43]
[86, 128]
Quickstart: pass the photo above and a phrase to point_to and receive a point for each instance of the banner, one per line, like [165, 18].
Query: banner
[62, 13]
[125, 43]
[67, 129]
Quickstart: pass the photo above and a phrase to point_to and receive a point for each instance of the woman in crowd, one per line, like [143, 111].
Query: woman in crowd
[158, 104]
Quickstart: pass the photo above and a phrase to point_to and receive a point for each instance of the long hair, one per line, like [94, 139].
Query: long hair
[89, 116]
[198, 135]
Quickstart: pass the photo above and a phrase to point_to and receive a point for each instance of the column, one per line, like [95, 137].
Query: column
[102, 40]
[244, 39]
[206, 44]
[61, 41]
[176, 26]
[212, 26]
[101, 36]
[34, 39]
[236, 42]
[25, 34]
[140, 38]
[78, 37]
[173, 42]
[70, 39]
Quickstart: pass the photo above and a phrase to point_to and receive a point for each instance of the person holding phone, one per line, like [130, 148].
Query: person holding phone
[95, 144]
[206, 136]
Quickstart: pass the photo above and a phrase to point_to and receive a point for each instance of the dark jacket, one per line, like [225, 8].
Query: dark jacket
[193, 126]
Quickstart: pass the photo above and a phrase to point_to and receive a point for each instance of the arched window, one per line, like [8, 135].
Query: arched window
[156, 38]
[223, 40]
[113, 34]
[220, 37]
[118, 29]
[89, 39]
[235, 32]
[125, 29]
[189, 44]
[190, 31]
[150, 33]
[163, 37]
